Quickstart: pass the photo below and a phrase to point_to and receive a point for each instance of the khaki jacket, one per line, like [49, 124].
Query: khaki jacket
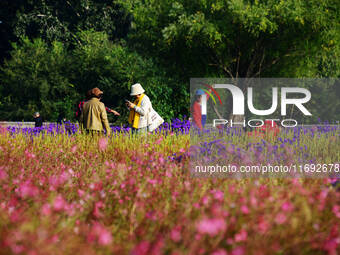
[94, 117]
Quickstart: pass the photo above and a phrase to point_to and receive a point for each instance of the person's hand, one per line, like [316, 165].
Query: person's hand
[130, 105]
[115, 113]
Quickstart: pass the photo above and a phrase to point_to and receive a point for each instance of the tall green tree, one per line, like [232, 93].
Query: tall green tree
[59, 20]
[239, 38]
[36, 79]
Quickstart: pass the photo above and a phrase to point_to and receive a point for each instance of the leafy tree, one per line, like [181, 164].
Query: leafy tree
[59, 20]
[238, 38]
[35, 79]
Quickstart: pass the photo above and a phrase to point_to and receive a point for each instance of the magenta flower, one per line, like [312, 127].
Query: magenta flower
[218, 195]
[287, 206]
[74, 148]
[159, 140]
[152, 181]
[219, 252]
[3, 174]
[238, 251]
[280, 218]
[241, 236]
[175, 234]
[100, 233]
[263, 226]
[105, 237]
[59, 203]
[211, 226]
[336, 210]
[102, 143]
[46, 210]
[96, 211]
[27, 189]
[244, 209]
[80, 192]
[141, 249]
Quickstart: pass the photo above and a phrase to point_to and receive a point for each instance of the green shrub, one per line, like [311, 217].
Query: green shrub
[36, 79]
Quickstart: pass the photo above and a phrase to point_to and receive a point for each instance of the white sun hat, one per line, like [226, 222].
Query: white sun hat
[136, 89]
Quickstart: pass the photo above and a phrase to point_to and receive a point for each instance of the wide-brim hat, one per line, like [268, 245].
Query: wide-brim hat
[136, 89]
[96, 92]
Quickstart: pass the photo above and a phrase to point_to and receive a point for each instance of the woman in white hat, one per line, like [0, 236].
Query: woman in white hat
[139, 109]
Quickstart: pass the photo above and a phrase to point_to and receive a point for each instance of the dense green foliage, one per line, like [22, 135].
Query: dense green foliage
[241, 38]
[52, 79]
[161, 44]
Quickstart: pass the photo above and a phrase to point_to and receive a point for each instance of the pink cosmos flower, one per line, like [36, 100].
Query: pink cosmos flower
[102, 143]
[175, 234]
[99, 232]
[238, 251]
[157, 246]
[211, 226]
[59, 203]
[218, 195]
[141, 249]
[280, 218]
[244, 209]
[3, 174]
[74, 149]
[17, 249]
[336, 210]
[263, 226]
[181, 150]
[96, 211]
[159, 140]
[253, 201]
[27, 189]
[219, 252]
[241, 236]
[161, 160]
[81, 192]
[105, 237]
[287, 207]
[152, 181]
[46, 210]
[331, 246]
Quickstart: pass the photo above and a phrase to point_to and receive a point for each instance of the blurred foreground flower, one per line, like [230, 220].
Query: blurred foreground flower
[102, 143]
[211, 226]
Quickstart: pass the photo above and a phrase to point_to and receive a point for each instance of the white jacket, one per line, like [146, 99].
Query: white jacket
[144, 110]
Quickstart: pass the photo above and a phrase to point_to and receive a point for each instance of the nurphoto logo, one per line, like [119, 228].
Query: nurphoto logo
[301, 96]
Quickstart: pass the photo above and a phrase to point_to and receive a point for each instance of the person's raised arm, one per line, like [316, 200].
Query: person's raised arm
[112, 111]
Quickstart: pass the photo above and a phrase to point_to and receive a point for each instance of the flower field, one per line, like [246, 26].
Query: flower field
[66, 193]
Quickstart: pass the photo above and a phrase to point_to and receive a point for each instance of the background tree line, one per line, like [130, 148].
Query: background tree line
[52, 52]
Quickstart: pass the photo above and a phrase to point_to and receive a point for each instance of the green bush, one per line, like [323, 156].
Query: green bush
[36, 79]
